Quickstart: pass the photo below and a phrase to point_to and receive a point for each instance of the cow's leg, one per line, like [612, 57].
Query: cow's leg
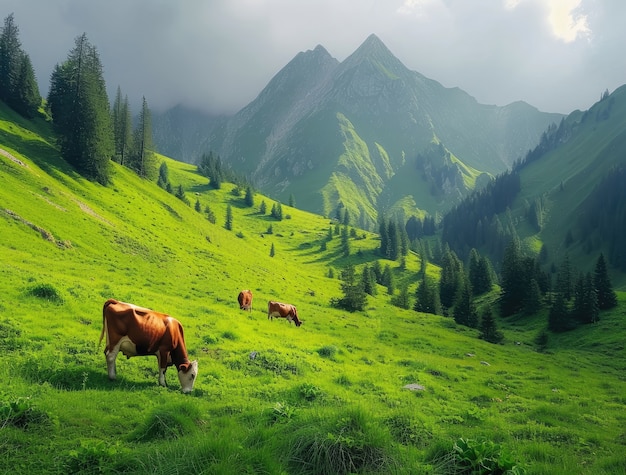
[162, 358]
[111, 356]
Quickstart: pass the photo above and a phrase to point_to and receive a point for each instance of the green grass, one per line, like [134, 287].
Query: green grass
[327, 397]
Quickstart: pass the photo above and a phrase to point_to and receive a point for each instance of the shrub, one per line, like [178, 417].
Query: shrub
[310, 392]
[168, 422]
[328, 351]
[408, 431]
[21, 413]
[340, 445]
[476, 457]
[94, 457]
[46, 292]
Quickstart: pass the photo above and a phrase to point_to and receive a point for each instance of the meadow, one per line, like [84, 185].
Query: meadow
[385, 390]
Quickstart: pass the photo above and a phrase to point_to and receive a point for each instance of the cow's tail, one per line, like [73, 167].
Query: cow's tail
[104, 308]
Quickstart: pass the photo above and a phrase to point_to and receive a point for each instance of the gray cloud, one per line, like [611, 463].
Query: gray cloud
[217, 55]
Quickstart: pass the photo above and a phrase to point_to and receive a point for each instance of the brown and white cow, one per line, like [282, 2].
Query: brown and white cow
[283, 310]
[245, 300]
[137, 331]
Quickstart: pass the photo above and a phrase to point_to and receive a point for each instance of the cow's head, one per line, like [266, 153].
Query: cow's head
[296, 320]
[187, 373]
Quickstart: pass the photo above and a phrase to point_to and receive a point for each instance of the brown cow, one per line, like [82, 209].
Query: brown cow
[245, 300]
[283, 310]
[137, 331]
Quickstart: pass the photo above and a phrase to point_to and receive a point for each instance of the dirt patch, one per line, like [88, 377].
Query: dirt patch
[12, 158]
[47, 235]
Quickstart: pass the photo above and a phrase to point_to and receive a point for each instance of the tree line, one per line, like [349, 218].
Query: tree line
[90, 131]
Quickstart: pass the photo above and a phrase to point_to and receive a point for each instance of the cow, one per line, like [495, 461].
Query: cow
[137, 331]
[245, 300]
[283, 310]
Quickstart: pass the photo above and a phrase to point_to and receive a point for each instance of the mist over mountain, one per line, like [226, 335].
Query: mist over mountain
[355, 134]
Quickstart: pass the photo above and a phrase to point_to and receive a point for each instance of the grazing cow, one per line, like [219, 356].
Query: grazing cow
[283, 310]
[245, 300]
[137, 331]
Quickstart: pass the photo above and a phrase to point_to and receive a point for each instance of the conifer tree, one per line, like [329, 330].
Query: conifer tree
[488, 328]
[26, 98]
[354, 296]
[464, 309]
[388, 280]
[122, 127]
[164, 176]
[263, 207]
[402, 300]
[369, 281]
[559, 316]
[292, 201]
[602, 283]
[10, 49]
[249, 199]
[210, 215]
[512, 280]
[345, 242]
[272, 251]
[450, 280]
[80, 111]
[18, 86]
[229, 219]
[427, 297]
[143, 158]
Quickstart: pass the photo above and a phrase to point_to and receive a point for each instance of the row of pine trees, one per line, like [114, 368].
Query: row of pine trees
[90, 132]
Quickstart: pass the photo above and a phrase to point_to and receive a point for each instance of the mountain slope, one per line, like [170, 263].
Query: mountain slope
[291, 140]
[265, 389]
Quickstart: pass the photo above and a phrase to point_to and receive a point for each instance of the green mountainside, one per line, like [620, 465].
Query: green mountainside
[570, 202]
[335, 134]
[385, 390]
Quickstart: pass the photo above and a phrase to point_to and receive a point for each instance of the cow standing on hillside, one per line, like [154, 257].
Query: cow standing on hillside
[137, 331]
[245, 300]
[283, 310]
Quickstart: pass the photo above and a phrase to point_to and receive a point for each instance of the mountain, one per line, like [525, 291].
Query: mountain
[571, 198]
[337, 134]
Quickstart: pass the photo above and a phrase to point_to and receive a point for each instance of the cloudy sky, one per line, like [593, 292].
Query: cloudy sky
[217, 55]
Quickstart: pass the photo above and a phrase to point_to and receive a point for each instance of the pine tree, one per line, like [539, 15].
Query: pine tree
[10, 47]
[229, 219]
[122, 128]
[26, 98]
[559, 316]
[354, 296]
[292, 201]
[263, 207]
[449, 282]
[369, 283]
[602, 283]
[512, 280]
[198, 206]
[249, 199]
[488, 328]
[210, 215]
[388, 280]
[143, 158]
[345, 242]
[464, 308]
[272, 251]
[80, 111]
[427, 297]
[164, 175]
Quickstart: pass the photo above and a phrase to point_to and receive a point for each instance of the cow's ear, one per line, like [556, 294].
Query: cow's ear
[184, 367]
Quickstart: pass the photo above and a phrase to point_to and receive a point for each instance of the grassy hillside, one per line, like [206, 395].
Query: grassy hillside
[327, 397]
[564, 178]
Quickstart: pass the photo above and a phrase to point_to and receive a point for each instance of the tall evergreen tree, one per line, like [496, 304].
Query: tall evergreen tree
[388, 280]
[80, 111]
[512, 280]
[427, 297]
[559, 316]
[488, 328]
[368, 280]
[354, 296]
[402, 300]
[122, 127]
[450, 279]
[143, 158]
[602, 283]
[27, 97]
[345, 242]
[464, 309]
[10, 56]
[229, 218]
[249, 199]
[164, 175]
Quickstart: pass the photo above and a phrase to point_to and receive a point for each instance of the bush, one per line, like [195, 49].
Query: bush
[340, 445]
[169, 422]
[46, 292]
[328, 351]
[477, 457]
[94, 457]
[21, 413]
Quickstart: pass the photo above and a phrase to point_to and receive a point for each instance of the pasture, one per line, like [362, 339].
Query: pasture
[381, 391]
